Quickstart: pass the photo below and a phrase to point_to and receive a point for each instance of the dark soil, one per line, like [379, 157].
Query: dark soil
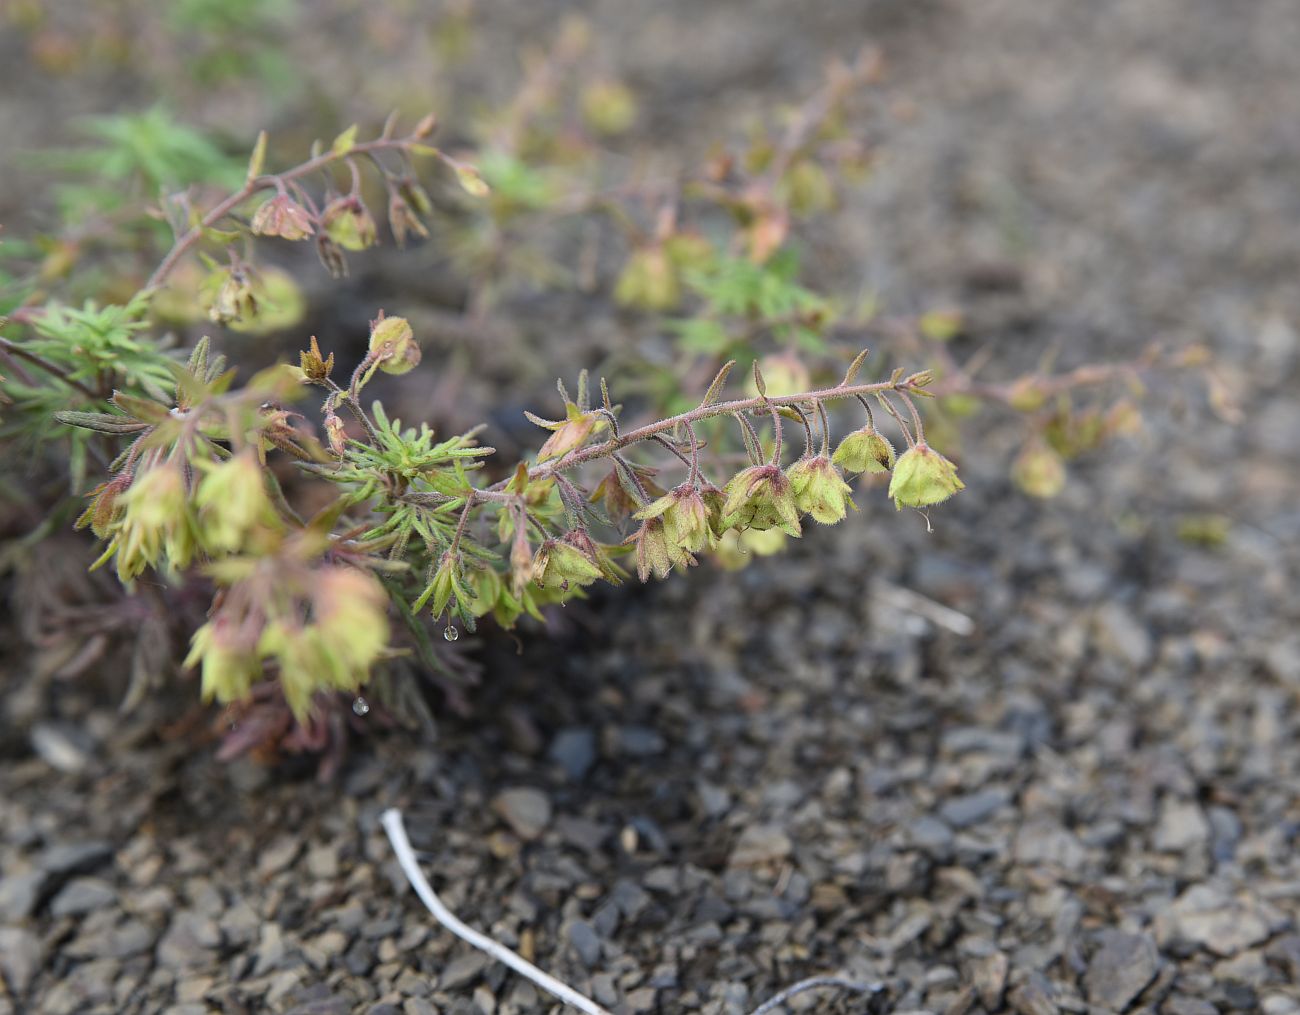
[697, 793]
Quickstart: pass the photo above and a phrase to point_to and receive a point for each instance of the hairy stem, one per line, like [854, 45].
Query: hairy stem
[185, 243]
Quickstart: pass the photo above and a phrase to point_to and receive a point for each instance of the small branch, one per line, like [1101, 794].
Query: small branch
[391, 819]
[812, 983]
[14, 349]
[183, 245]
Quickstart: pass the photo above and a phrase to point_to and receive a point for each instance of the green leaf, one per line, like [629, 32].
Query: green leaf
[344, 142]
[257, 161]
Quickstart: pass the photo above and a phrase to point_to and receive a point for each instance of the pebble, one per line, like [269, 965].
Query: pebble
[462, 971]
[760, 844]
[1182, 825]
[526, 810]
[1208, 916]
[19, 894]
[574, 750]
[972, 808]
[21, 955]
[585, 941]
[1120, 970]
[189, 940]
[83, 895]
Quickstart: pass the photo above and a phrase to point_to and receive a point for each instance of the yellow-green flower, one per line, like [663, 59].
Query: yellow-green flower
[558, 565]
[820, 490]
[761, 497]
[922, 477]
[864, 450]
[156, 523]
[393, 343]
[349, 224]
[689, 519]
[284, 217]
[232, 502]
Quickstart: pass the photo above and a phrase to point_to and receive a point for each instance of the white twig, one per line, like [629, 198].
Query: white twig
[913, 602]
[813, 982]
[391, 819]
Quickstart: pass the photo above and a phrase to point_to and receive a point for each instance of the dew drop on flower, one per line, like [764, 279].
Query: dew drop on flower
[450, 633]
[360, 706]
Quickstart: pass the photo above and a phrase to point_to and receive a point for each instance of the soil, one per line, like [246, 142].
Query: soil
[690, 795]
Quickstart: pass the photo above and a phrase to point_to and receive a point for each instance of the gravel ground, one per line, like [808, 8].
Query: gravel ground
[697, 793]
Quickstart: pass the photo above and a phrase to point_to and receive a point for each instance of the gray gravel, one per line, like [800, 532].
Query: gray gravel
[708, 789]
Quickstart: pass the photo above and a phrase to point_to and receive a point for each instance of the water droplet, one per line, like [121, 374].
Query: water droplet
[360, 706]
[450, 633]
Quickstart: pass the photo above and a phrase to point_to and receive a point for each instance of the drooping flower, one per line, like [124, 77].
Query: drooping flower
[820, 490]
[761, 497]
[864, 450]
[922, 477]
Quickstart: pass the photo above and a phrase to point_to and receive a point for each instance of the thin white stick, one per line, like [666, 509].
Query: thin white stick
[391, 819]
[913, 602]
[812, 983]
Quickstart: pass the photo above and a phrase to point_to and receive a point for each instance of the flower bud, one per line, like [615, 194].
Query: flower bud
[864, 450]
[569, 433]
[393, 343]
[335, 433]
[820, 490]
[349, 223]
[402, 219]
[284, 217]
[922, 477]
[1039, 471]
[761, 497]
[314, 366]
[558, 565]
[331, 256]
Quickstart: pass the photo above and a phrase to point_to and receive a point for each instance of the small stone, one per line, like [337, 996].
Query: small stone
[1182, 826]
[485, 1002]
[21, 956]
[527, 811]
[62, 748]
[574, 750]
[759, 844]
[1120, 634]
[585, 941]
[990, 979]
[270, 949]
[1206, 915]
[972, 808]
[83, 895]
[932, 836]
[1121, 969]
[643, 999]
[462, 971]
[1181, 1004]
[19, 894]
[1045, 841]
[279, 855]
[75, 857]
[1033, 997]
[189, 940]
[323, 862]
